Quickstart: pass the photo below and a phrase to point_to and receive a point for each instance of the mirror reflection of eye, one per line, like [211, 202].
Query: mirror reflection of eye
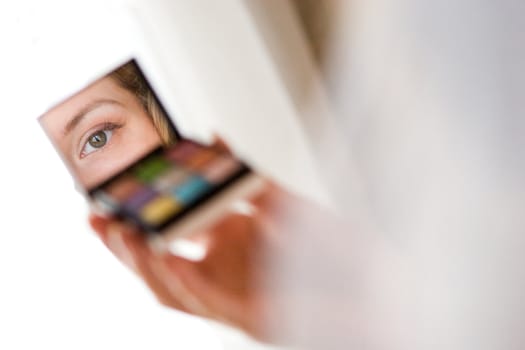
[98, 139]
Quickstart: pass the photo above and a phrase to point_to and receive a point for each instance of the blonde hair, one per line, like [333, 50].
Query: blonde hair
[130, 78]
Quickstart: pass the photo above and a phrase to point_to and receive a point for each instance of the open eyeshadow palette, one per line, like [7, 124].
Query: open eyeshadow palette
[168, 183]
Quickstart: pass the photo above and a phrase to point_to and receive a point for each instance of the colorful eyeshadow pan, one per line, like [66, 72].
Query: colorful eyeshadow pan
[165, 184]
[151, 168]
[123, 188]
[191, 190]
[170, 178]
[139, 199]
[159, 210]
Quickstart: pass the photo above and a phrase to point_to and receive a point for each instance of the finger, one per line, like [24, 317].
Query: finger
[203, 295]
[273, 196]
[133, 252]
[167, 269]
[98, 224]
[278, 209]
[144, 263]
[221, 145]
[232, 231]
[109, 230]
[200, 285]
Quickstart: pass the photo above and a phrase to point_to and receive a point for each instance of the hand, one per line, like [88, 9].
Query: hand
[227, 284]
[267, 272]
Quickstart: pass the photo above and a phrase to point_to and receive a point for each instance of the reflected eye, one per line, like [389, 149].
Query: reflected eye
[98, 139]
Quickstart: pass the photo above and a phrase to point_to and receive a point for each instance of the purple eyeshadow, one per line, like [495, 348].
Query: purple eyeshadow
[139, 199]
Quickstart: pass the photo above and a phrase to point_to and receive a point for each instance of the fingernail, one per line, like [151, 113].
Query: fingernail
[97, 224]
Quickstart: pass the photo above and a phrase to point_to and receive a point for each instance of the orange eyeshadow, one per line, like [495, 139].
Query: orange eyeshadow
[124, 188]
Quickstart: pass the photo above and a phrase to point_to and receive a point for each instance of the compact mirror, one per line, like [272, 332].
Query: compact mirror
[127, 157]
[108, 125]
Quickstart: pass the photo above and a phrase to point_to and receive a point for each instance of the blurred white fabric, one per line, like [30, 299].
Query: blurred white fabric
[429, 98]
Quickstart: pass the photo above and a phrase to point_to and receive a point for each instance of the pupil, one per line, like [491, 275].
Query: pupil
[98, 139]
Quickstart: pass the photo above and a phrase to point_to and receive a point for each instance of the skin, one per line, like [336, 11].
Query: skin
[234, 282]
[227, 285]
[103, 107]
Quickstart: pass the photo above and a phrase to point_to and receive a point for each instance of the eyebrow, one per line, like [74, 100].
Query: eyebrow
[73, 122]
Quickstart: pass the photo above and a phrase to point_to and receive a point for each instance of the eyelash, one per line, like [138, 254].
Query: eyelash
[106, 126]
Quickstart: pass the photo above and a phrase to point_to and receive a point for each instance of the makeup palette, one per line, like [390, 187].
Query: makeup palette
[168, 183]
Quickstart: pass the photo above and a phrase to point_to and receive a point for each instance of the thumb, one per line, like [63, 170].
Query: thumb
[221, 145]
[180, 275]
